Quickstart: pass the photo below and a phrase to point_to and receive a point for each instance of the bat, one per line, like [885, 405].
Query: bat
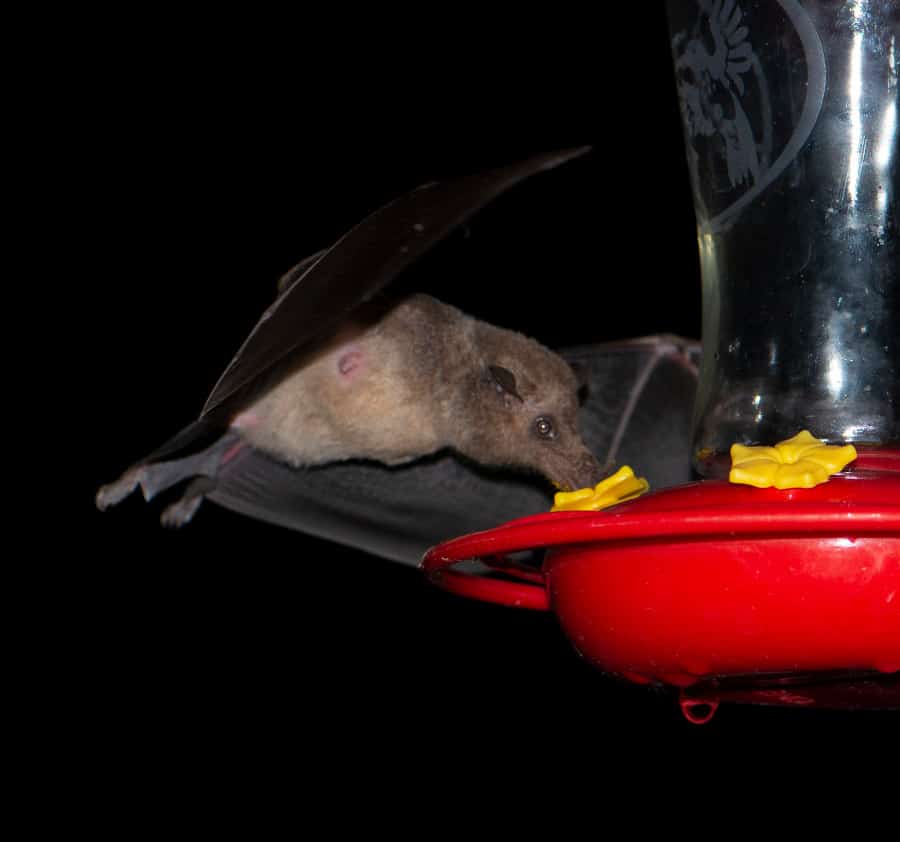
[392, 475]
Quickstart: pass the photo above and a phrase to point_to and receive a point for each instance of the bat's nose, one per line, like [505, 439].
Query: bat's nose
[584, 471]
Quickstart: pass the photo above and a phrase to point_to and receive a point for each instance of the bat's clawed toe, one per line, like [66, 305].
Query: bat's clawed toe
[178, 514]
[115, 492]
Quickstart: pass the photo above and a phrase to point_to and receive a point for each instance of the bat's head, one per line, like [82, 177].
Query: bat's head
[520, 409]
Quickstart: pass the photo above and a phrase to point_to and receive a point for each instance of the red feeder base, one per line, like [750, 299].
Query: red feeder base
[729, 592]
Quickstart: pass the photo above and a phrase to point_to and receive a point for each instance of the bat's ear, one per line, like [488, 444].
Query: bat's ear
[582, 377]
[504, 380]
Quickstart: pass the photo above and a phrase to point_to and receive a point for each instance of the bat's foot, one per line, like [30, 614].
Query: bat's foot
[115, 492]
[182, 512]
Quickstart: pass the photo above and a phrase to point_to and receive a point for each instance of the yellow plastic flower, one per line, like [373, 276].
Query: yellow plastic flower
[799, 462]
[622, 485]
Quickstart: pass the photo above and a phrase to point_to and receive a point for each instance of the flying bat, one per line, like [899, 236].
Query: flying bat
[392, 424]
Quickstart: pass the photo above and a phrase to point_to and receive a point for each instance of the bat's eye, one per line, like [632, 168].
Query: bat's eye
[543, 426]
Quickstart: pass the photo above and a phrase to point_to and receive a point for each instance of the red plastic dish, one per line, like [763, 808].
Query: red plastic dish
[711, 584]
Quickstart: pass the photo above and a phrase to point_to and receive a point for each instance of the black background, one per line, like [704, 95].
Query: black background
[204, 158]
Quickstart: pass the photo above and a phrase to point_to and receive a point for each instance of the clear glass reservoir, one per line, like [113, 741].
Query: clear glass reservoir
[790, 117]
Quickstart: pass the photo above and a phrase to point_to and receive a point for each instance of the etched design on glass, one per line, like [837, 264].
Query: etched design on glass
[710, 65]
[727, 108]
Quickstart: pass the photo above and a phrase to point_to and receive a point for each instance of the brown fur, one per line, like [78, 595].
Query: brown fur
[418, 379]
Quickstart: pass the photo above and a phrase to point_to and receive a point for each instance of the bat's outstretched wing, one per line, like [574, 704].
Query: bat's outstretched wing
[638, 412]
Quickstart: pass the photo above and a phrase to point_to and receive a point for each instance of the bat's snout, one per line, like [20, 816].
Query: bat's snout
[584, 471]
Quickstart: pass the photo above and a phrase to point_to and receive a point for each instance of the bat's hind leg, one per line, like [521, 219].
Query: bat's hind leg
[200, 469]
[178, 514]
